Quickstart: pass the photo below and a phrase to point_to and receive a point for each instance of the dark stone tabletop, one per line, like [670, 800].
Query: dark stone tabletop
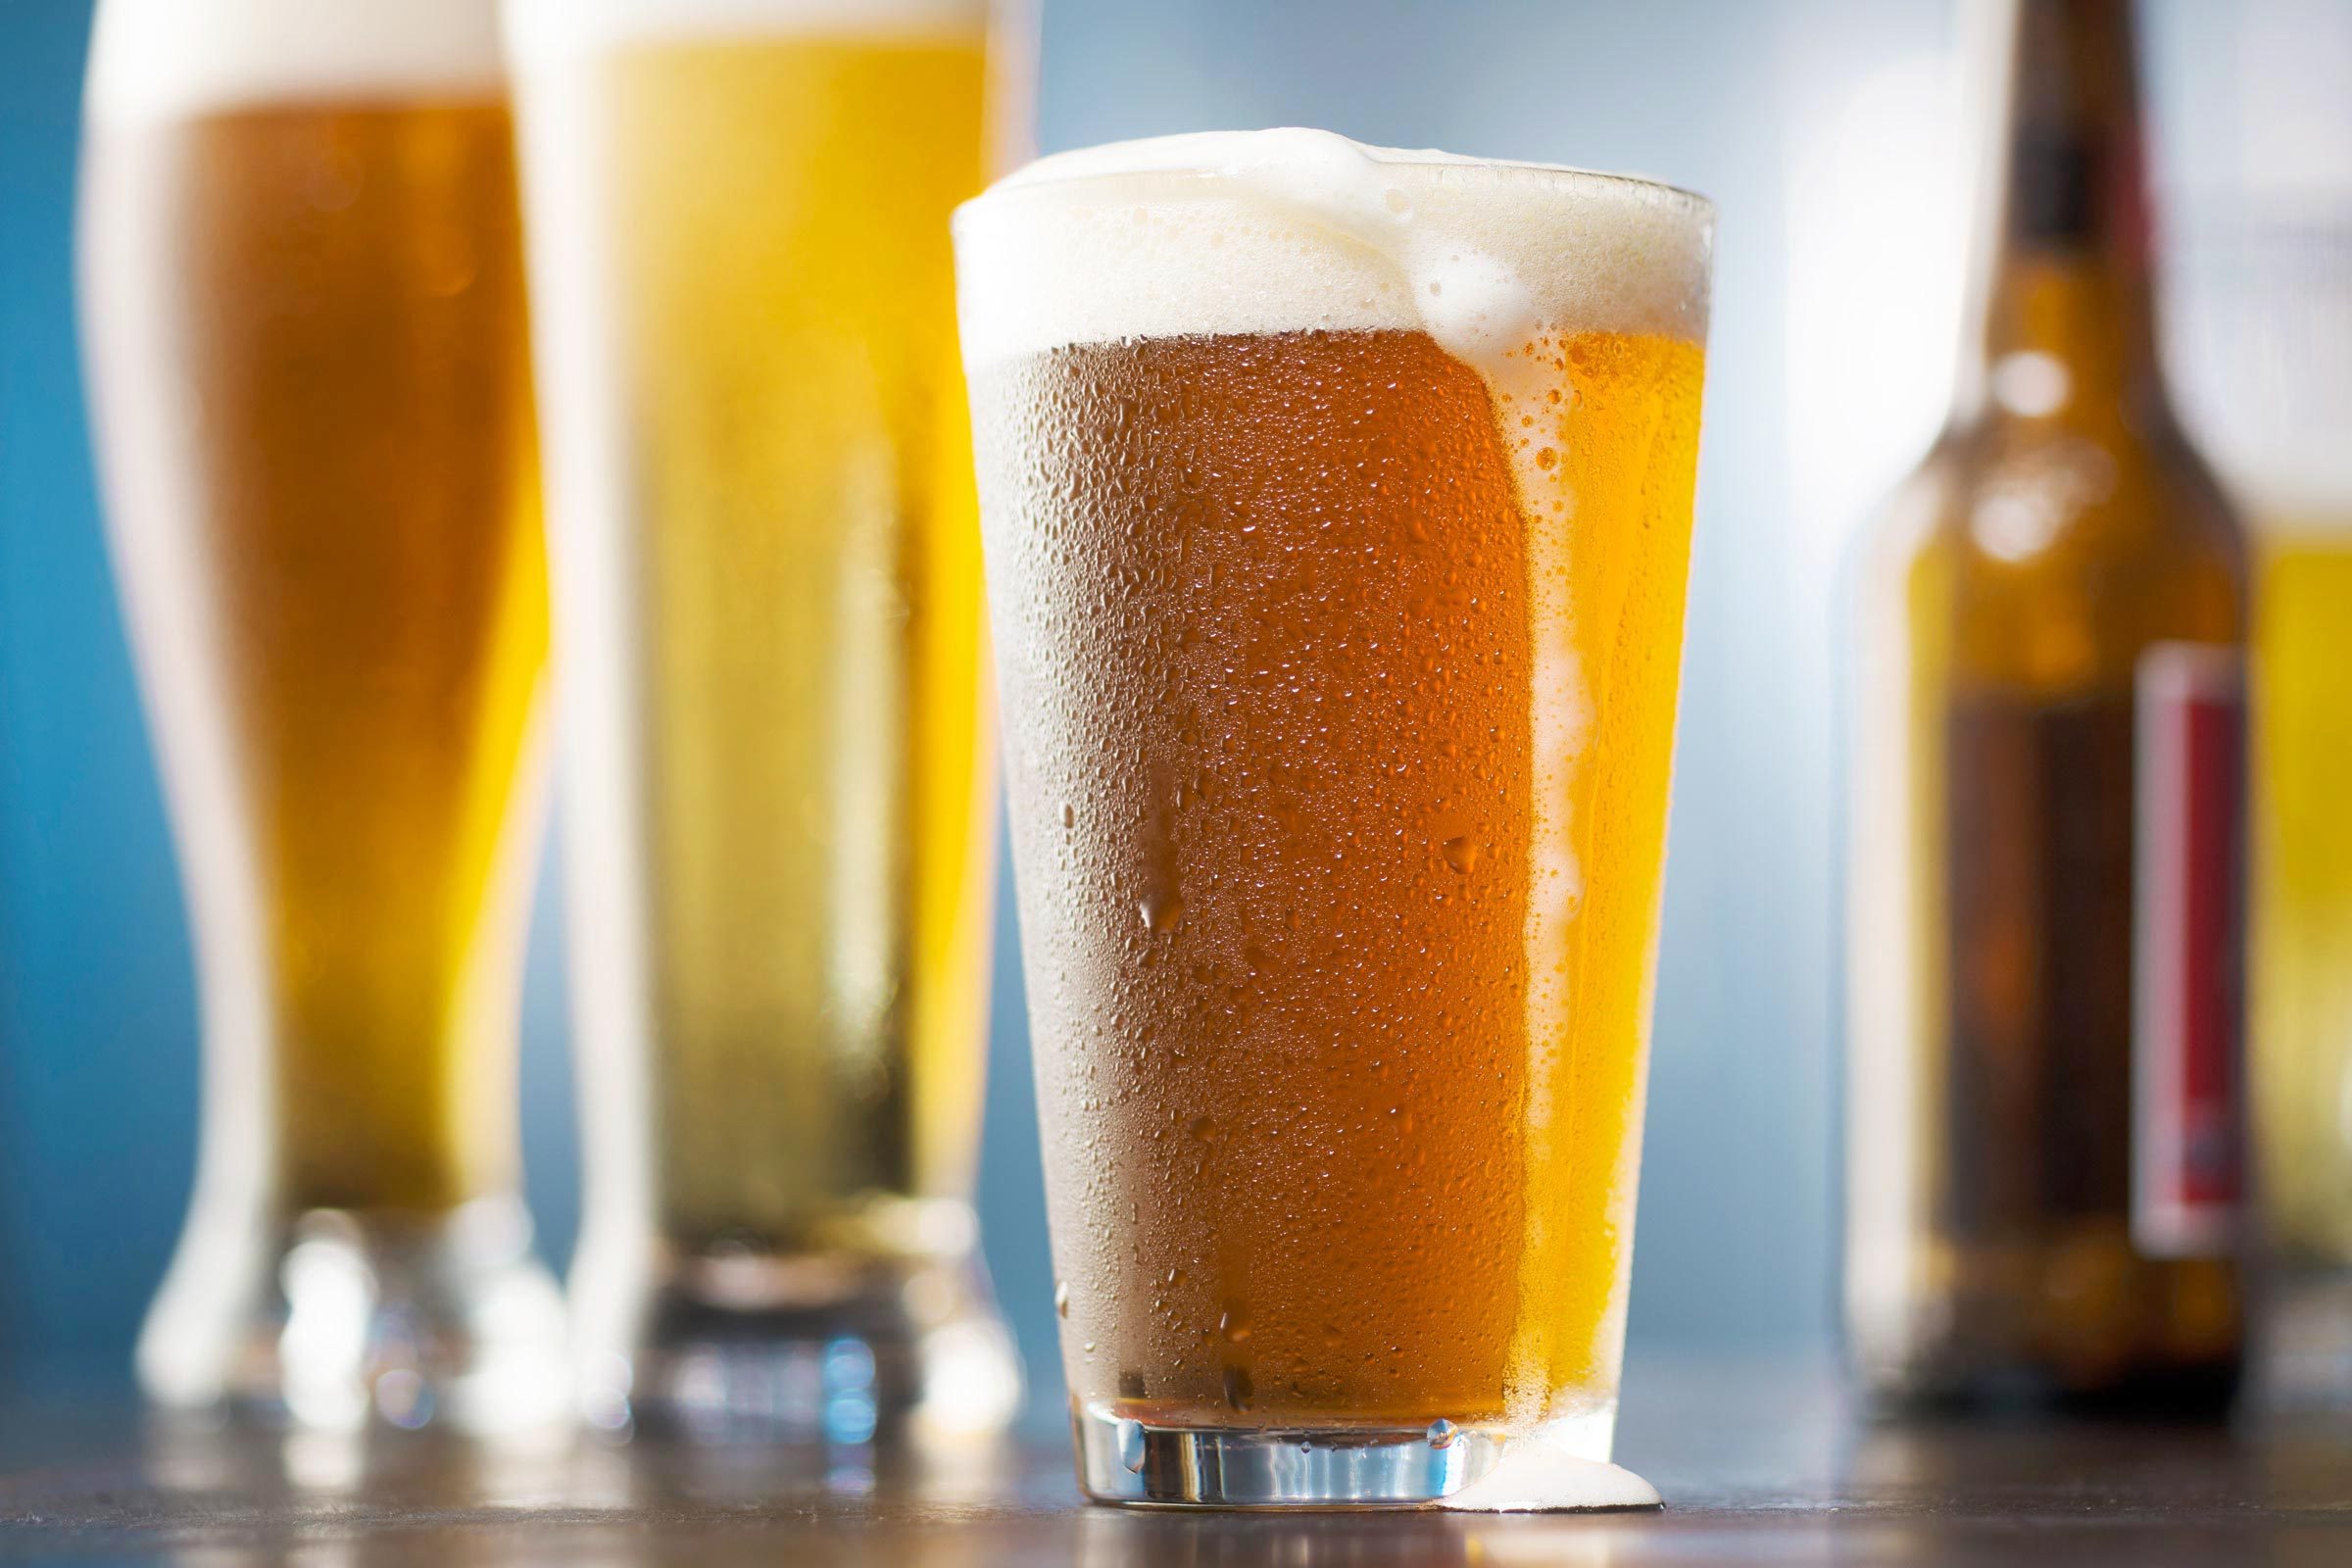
[1759, 1464]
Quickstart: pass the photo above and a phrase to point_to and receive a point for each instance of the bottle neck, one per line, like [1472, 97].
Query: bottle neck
[2065, 315]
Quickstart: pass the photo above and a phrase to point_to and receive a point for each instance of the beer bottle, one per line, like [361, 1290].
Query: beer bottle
[2043, 926]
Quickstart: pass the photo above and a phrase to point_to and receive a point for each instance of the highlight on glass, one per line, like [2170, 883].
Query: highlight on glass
[1337, 505]
[303, 306]
[779, 775]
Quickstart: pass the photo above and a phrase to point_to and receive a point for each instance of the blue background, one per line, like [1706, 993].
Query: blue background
[97, 1011]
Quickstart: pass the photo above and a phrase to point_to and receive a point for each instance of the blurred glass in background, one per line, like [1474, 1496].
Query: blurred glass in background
[302, 288]
[780, 781]
[2260, 294]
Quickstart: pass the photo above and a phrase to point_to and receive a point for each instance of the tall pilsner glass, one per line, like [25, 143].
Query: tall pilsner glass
[1337, 505]
[778, 779]
[303, 300]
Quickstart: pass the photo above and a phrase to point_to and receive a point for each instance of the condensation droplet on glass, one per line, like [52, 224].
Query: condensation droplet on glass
[1240, 1387]
[1463, 854]
[1442, 1433]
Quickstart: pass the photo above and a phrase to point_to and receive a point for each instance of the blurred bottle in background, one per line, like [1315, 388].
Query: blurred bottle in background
[2045, 1162]
[303, 300]
[2265, 298]
[779, 779]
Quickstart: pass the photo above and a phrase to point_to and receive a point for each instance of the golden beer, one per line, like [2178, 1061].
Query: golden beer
[2301, 973]
[768, 559]
[815, 818]
[1340, 643]
[2302, 968]
[309, 354]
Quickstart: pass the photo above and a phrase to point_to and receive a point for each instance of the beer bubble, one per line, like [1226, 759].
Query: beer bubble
[1232, 1324]
[334, 183]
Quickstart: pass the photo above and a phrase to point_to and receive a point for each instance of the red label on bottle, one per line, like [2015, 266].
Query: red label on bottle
[2188, 1132]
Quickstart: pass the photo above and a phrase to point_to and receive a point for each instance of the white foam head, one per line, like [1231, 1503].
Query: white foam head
[1234, 232]
[537, 29]
[1539, 1474]
[166, 59]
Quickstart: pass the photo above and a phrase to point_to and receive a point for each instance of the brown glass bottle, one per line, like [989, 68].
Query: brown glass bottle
[2046, 818]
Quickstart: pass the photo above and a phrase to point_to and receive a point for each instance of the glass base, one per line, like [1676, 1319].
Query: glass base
[2306, 1362]
[336, 1319]
[1440, 1465]
[769, 1350]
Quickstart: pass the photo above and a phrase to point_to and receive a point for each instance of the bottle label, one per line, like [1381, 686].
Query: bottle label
[2188, 1133]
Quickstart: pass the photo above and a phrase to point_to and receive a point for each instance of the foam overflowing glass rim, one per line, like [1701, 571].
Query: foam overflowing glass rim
[1293, 229]
[1071, 168]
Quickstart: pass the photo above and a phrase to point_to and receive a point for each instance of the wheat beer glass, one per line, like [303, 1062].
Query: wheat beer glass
[302, 290]
[1337, 505]
[779, 778]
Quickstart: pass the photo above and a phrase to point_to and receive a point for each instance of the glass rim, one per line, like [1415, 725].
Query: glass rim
[1037, 176]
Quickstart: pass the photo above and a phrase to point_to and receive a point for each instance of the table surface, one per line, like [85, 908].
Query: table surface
[1758, 1465]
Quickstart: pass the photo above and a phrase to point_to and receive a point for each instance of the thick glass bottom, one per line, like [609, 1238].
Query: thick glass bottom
[1561, 1467]
[334, 1320]
[2306, 1361]
[791, 1349]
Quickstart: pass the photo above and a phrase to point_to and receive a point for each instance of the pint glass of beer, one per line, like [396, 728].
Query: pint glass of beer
[301, 291]
[778, 775]
[1337, 505]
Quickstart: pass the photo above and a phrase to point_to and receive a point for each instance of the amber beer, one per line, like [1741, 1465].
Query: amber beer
[2045, 1109]
[301, 282]
[779, 777]
[1338, 640]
